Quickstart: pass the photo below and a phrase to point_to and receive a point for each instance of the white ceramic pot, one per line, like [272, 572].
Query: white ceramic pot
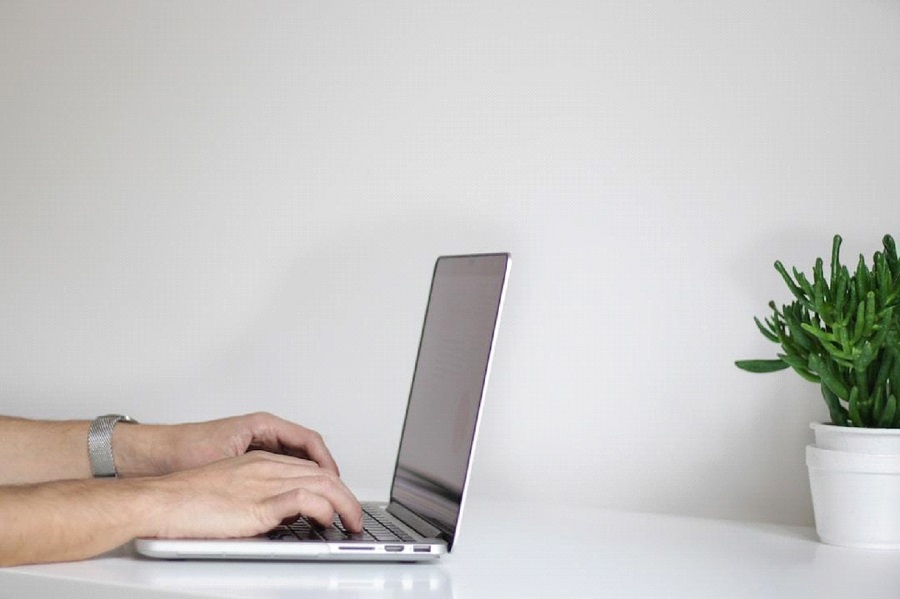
[856, 497]
[881, 441]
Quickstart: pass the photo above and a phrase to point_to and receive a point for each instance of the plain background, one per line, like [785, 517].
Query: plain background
[220, 207]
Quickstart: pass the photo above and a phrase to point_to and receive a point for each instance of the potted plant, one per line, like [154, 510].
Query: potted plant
[842, 332]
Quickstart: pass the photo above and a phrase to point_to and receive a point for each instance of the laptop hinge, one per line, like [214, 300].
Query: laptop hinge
[414, 522]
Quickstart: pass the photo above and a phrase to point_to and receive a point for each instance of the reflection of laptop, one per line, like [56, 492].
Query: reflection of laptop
[285, 579]
[422, 518]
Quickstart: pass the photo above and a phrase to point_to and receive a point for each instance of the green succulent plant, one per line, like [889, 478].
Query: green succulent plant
[843, 333]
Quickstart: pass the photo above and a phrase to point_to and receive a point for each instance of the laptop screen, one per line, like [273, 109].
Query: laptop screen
[448, 385]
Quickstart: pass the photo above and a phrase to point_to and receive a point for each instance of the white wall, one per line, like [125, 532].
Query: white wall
[211, 208]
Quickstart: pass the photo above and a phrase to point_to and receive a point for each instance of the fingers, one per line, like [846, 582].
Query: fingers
[302, 487]
[248, 495]
[320, 508]
[299, 501]
[281, 436]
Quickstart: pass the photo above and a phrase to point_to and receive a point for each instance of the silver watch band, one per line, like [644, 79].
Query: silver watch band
[99, 441]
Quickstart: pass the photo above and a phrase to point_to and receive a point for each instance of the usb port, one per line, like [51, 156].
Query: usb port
[393, 547]
[422, 548]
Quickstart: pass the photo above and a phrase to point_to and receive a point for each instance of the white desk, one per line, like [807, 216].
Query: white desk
[592, 553]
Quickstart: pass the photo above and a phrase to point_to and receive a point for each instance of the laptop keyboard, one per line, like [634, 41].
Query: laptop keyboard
[377, 526]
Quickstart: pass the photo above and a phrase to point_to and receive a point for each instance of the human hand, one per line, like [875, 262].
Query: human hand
[236, 497]
[151, 450]
[244, 496]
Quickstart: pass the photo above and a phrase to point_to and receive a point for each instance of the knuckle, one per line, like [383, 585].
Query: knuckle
[316, 437]
[259, 417]
[313, 505]
[267, 516]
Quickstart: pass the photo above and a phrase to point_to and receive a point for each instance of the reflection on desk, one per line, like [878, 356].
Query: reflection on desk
[125, 573]
[590, 553]
[301, 579]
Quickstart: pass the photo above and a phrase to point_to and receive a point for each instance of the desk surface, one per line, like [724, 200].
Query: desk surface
[592, 553]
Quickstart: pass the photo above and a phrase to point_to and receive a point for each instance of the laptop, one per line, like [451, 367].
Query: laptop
[422, 519]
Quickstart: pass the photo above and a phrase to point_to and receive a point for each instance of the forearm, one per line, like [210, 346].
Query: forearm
[71, 520]
[33, 451]
[36, 451]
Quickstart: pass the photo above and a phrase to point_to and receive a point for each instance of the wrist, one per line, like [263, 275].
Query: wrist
[153, 502]
[137, 450]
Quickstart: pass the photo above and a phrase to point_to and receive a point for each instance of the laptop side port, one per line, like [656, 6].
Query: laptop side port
[422, 549]
[393, 547]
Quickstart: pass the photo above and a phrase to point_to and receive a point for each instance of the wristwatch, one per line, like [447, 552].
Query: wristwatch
[99, 442]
